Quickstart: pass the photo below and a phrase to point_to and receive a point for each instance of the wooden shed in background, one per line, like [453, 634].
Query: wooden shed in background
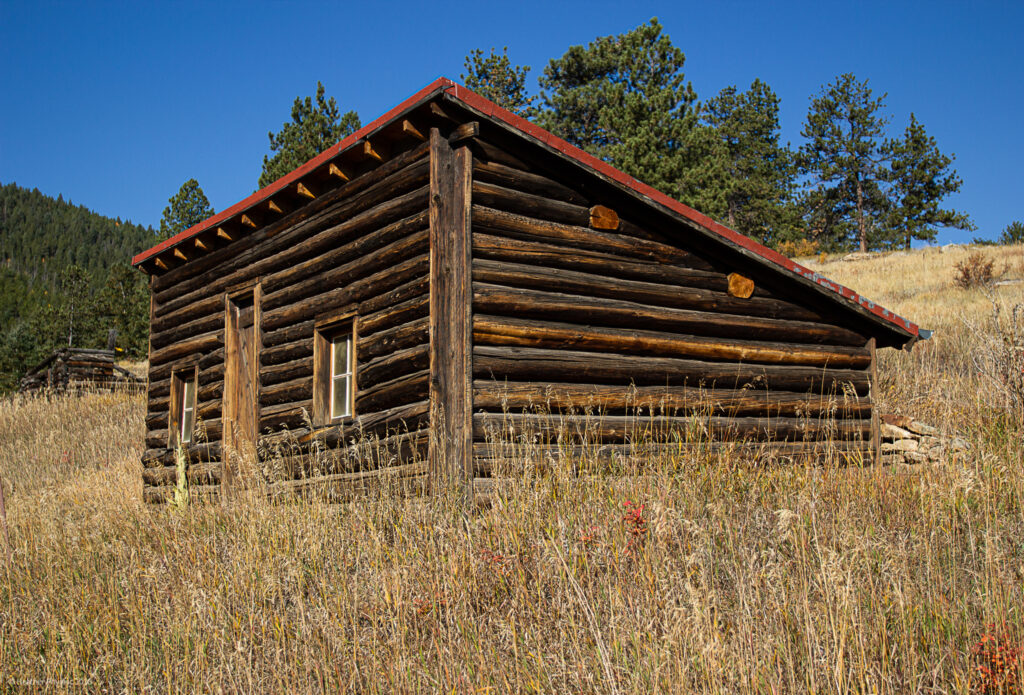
[450, 265]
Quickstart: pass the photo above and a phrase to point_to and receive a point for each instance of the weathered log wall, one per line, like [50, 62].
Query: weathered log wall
[637, 327]
[361, 248]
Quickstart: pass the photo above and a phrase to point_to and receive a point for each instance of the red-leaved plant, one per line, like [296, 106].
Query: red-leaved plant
[997, 660]
[636, 526]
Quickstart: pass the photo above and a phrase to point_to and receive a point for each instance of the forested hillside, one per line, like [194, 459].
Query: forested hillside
[65, 277]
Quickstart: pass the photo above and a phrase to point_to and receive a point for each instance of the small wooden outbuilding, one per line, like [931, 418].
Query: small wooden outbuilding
[449, 266]
[80, 369]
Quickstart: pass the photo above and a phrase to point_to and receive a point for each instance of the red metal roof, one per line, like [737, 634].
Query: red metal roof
[525, 127]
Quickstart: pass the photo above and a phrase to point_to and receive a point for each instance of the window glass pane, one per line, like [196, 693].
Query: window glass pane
[340, 396]
[189, 400]
[187, 425]
[340, 347]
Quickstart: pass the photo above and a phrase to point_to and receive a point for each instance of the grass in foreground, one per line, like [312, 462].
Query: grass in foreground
[734, 576]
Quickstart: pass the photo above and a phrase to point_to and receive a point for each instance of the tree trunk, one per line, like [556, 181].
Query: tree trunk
[861, 223]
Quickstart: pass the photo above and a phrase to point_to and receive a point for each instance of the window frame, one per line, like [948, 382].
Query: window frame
[328, 332]
[178, 409]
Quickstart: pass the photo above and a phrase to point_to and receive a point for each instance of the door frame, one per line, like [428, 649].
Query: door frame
[253, 290]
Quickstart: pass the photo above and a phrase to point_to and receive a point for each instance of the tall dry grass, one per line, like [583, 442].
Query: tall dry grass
[736, 576]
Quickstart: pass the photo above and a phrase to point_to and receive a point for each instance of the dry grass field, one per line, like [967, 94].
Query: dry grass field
[704, 574]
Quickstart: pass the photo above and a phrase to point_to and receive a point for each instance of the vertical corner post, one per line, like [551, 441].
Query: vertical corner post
[451, 321]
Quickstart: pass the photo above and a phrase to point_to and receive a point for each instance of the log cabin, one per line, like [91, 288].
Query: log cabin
[440, 272]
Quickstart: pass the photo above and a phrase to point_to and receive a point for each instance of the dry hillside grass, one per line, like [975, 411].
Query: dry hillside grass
[736, 575]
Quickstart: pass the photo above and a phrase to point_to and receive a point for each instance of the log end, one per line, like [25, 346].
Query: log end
[602, 217]
[740, 286]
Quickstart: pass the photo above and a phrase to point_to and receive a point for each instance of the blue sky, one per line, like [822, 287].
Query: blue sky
[114, 105]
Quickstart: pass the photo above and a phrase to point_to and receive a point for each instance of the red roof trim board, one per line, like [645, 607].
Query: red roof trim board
[492, 110]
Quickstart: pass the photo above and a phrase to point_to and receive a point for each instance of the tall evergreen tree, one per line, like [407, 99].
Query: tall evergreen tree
[846, 203]
[624, 99]
[187, 207]
[922, 176]
[498, 79]
[123, 303]
[316, 125]
[73, 315]
[755, 180]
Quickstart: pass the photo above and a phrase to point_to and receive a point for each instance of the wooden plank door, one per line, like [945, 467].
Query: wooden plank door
[241, 383]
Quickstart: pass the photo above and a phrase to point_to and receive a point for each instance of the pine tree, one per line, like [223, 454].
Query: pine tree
[755, 175]
[73, 318]
[624, 99]
[1013, 233]
[498, 79]
[189, 206]
[123, 303]
[922, 176]
[314, 127]
[846, 167]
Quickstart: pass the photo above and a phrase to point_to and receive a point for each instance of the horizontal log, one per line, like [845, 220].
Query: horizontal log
[391, 366]
[288, 333]
[210, 319]
[202, 301]
[157, 438]
[569, 308]
[402, 418]
[212, 390]
[493, 221]
[161, 494]
[347, 486]
[511, 427]
[208, 410]
[539, 253]
[512, 178]
[392, 283]
[196, 474]
[519, 396]
[536, 364]
[292, 414]
[362, 456]
[646, 450]
[192, 346]
[376, 184]
[294, 282]
[299, 389]
[493, 459]
[408, 388]
[162, 456]
[396, 315]
[400, 337]
[287, 352]
[664, 294]
[497, 330]
[516, 198]
[209, 430]
[286, 371]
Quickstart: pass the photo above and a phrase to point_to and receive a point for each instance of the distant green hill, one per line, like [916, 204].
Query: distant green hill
[64, 272]
[40, 236]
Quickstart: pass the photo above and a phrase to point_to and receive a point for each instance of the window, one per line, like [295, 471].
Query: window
[334, 371]
[188, 411]
[341, 376]
[182, 420]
